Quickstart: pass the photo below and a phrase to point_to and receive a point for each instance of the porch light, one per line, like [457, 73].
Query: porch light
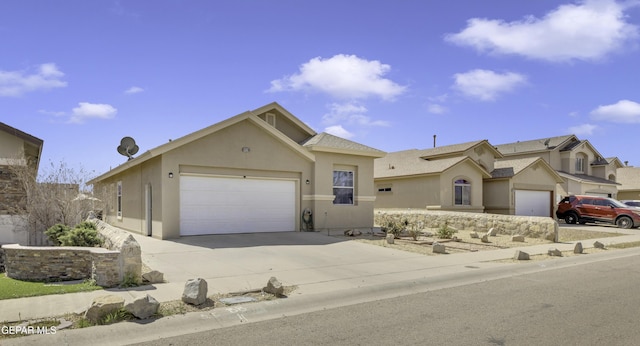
[170, 175]
[246, 149]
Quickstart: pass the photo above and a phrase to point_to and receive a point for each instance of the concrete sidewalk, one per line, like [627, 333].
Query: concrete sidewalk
[314, 262]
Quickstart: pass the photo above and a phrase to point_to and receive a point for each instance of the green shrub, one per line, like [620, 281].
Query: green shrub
[395, 227]
[130, 280]
[80, 237]
[446, 232]
[56, 231]
[87, 225]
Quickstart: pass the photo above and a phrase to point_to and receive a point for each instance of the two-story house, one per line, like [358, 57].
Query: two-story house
[583, 169]
[19, 152]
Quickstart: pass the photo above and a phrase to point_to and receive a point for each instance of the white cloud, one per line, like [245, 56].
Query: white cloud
[134, 90]
[624, 111]
[434, 108]
[342, 76]
[338, 130]
[18, 83]
[86, 110]
[486, 85]
[583, 130]
[350, 113]
[586, 30]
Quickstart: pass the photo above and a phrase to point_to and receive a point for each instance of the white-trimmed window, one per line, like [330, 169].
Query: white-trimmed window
[119, 199]
[462, 190]
[343, 183]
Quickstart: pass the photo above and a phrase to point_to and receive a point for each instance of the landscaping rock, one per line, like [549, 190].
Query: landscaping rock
[578, 248]
[598, 245]
[153, 277]
[427, 234]
[521, 256]
[274, 287]
[143, 307]
[492, 232]
[195, 291]
[474, 235]
[554, 252]
[352, 233]
[485, 238]
[518, 238]
[390, 238]
[438, 248]
[102, 306]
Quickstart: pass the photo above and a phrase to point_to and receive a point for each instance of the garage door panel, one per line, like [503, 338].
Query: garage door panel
[533, 203]
[216, 205]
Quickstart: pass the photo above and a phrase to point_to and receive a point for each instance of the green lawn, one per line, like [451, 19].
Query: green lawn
[10, 288]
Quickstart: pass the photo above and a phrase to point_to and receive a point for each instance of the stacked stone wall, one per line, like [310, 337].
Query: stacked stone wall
[130, 256]
[528, 226]
[61, 263]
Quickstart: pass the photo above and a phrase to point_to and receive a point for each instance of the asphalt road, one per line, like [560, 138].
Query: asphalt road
[589, 304]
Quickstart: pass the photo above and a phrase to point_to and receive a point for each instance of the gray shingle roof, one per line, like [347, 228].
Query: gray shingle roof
[325, 140]
[449, 149]
[509, 168]
[586, 178]
[535, 145]
[408, 162]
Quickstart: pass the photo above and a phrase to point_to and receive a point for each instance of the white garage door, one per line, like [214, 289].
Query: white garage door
[215, 205]
[533, 203]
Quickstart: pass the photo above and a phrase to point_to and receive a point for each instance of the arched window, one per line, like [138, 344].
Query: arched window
[612, 177]
[581, 162]
[462, 188]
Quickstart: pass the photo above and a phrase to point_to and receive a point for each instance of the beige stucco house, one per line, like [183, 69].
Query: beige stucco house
[584, 170]
[629, 180]
[258, 171]
[465, 177]
[17, 148]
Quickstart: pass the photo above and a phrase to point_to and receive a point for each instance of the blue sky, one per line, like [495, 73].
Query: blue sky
[389, 74]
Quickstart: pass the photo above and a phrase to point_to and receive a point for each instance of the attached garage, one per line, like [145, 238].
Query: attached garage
[221, 205]
[533, 203]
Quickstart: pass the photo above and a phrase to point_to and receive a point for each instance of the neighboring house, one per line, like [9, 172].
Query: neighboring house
[258, 171]
[629, 180]
[582, 167]
[465, 177]
[19, 151]
[442, 178]
[521, 187]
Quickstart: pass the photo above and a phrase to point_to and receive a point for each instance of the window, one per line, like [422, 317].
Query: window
[271, 119]
[462, 189]
[343, 187]
[119, 200]
[580, 162]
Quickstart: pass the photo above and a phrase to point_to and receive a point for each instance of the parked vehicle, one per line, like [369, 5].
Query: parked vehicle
[632, 203]
[582, 209]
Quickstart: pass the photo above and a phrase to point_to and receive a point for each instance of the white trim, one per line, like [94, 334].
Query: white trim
[318, 197]
[365, 198]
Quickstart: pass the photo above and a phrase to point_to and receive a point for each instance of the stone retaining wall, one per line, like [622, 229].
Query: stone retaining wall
[61, 263]
[528, 226]
[109, 266]
[130, 255]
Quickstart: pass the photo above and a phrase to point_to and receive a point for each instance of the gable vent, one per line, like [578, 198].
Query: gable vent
[271, 119]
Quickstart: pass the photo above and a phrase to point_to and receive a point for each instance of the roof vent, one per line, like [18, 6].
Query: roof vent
[270, 118]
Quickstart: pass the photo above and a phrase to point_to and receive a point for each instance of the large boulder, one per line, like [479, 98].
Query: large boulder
[143, 307]
[195, 291]
[102, 306]
[274, 287]
[153, 277]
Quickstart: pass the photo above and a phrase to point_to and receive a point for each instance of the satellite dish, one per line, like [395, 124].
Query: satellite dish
[128, 147]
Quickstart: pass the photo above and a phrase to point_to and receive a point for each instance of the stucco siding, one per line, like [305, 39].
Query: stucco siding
[413, 192]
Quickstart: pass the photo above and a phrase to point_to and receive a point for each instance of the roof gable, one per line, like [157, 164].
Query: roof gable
[511, 168]
[457, 150]
[329, 143]
[409, 163]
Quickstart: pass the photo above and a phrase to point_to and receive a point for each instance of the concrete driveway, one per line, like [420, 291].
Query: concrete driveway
[312, 261]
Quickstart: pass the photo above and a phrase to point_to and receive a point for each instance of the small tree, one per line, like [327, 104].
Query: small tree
[52, 197]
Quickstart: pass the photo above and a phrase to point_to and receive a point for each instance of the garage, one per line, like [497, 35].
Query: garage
[533, 203]
[222, 205]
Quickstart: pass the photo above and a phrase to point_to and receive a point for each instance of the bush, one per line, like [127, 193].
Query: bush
[56, 231]
[395, 227]
[83, 234]
[81, 237]
[446, 232]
